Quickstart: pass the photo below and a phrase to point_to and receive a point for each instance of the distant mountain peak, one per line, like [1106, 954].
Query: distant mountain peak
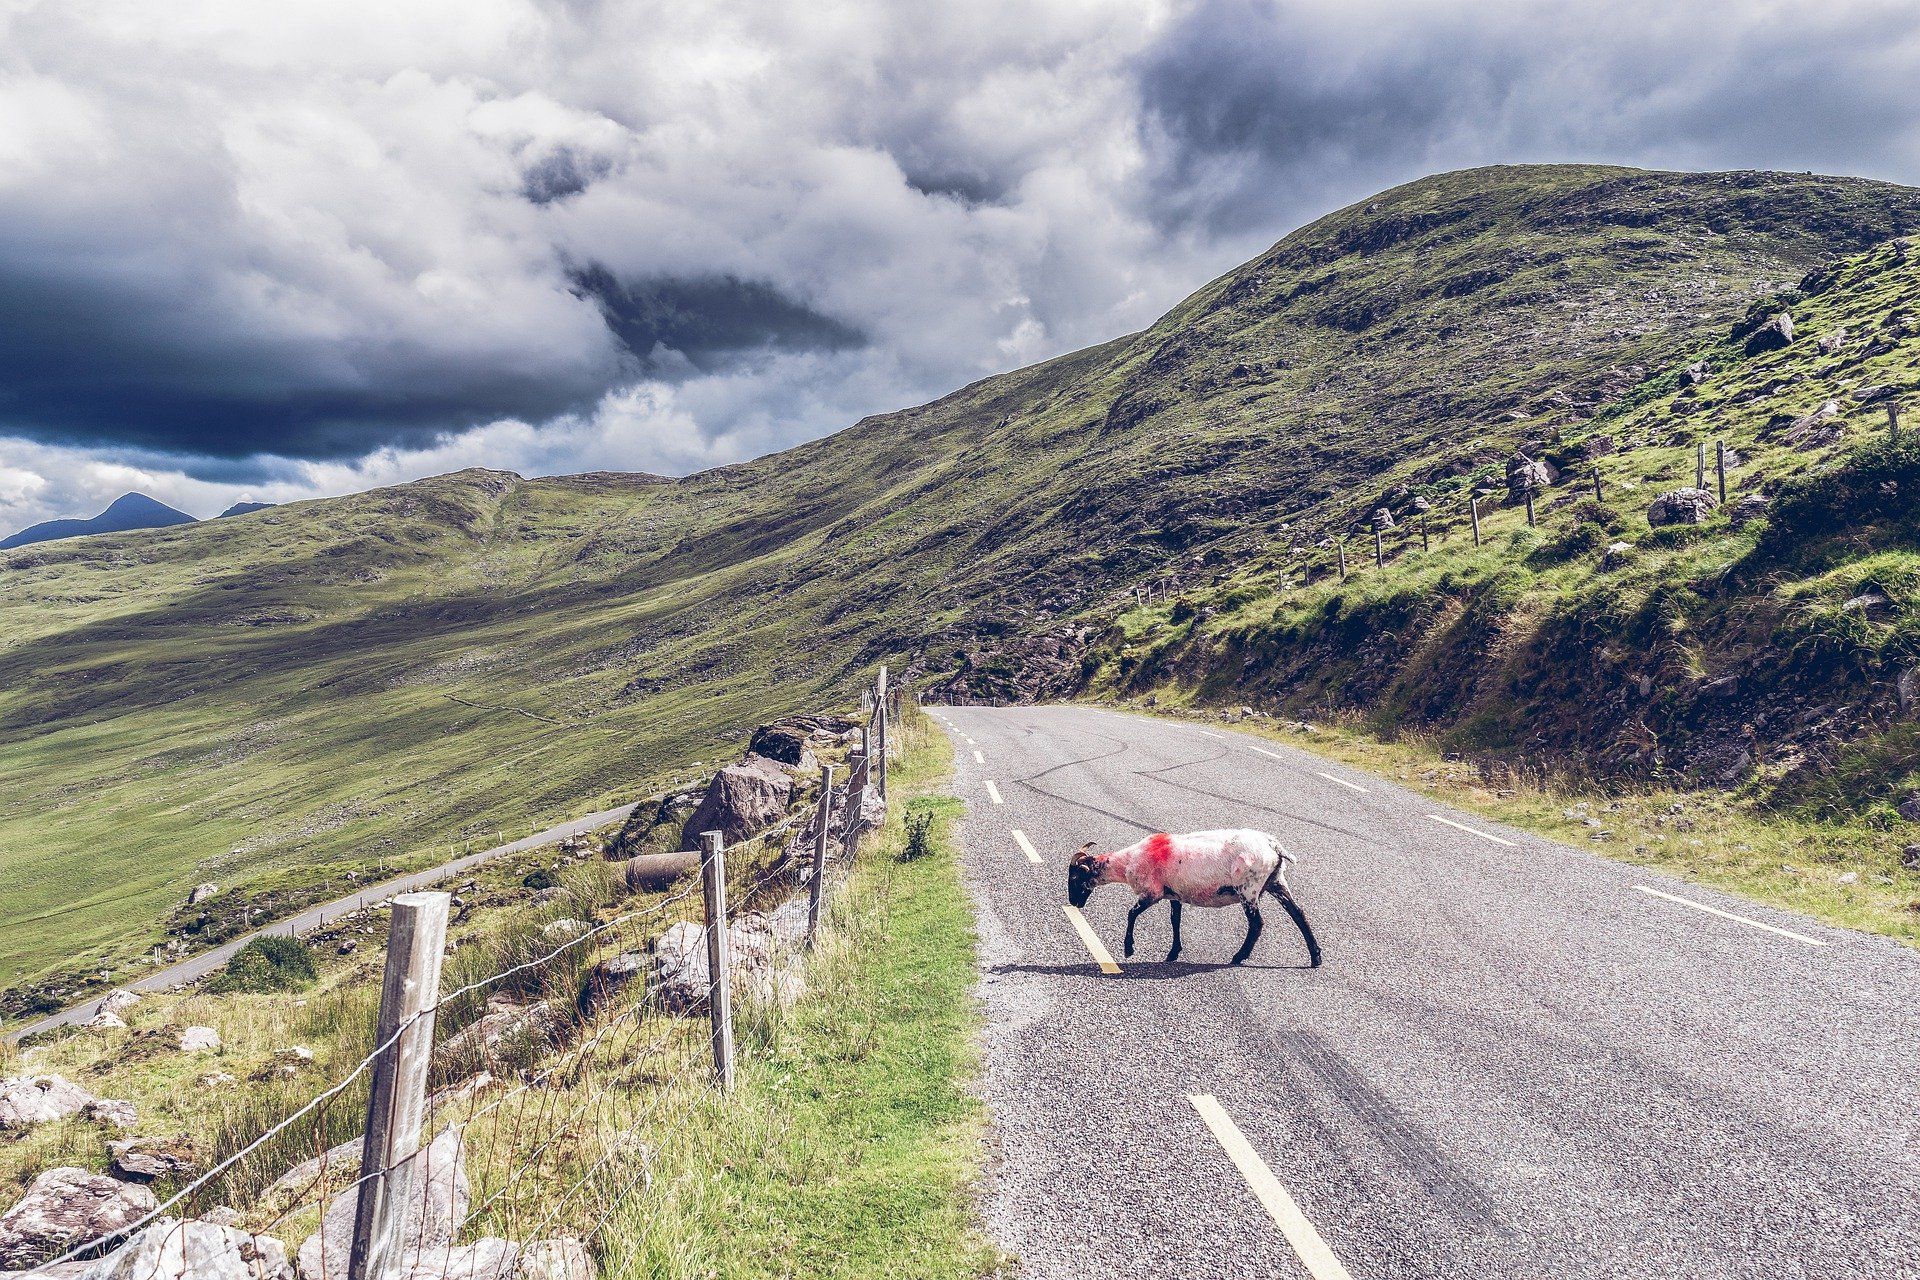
[127, 512]
[242, 508]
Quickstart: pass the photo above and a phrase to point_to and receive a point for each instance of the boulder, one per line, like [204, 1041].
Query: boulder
[1681, 506]
[26, 1101]
[1382, 518]
[505, 1028]
[66, 1208]
[1695, 373]
[563, 929]
[1747, 508]
[199, 1040]
[104, 1021]
[762, 950]
[120, 1001]
[1909, 808]
[170, 1249]
[148, 1159]
[116, 1113]
[558, 1258]
[783, 742]
[607, 979]
[1771, 336]
[201, 892]
[436, 1207]
[492, 1258]
[860, 814]
[1527, 474]
[741, 799]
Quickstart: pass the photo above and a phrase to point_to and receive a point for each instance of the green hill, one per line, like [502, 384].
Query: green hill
[273, 703]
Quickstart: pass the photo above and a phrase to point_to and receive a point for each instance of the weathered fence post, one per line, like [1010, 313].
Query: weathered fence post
[1893, 424]
[1700, 464]
[713, 886]
[1473, 509]
[1379, 550]
[1596, 485]
[397, 1105]
[1423, 534]
[820, 852]
[1342, 545]
[1720, 467]
[882, 699]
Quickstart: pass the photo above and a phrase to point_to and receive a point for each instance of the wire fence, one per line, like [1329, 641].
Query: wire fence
[502, 1112]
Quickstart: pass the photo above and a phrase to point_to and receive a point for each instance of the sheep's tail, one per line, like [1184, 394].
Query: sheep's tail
[1277, 886]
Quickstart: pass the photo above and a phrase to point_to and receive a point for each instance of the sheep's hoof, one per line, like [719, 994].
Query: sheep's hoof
[1173, 955]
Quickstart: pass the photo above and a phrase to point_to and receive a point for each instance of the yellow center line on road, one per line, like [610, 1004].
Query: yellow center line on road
[1026, 846]
[978, 758]
[1300, 1233]
[1458, 826]
[1090, 939]
[1342, 782]
[993, 793]
[1728, 915]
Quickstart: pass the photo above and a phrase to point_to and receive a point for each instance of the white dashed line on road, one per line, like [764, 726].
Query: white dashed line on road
[1728, 915]
[978, 758]
[1026, 846]
[1460, 826]
[1271, 755]
[1205, 734]
[1342, 782]
[993, 793]
[1300, 1233]
[1090, 939]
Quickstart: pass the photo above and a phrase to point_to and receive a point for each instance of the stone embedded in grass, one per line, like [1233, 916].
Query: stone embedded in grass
[115, 1113]
[1681, 506]
[1771, 336]
[105, 1021]
[170, 1249]
[66, 1208]
[199, 1040]
[26, 1101]
[146, 1159]
[435, 1210]
[119, 1001]
[201, 892]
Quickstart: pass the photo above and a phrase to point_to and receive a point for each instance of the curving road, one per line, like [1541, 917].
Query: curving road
[199, 966]
[1520, 1059]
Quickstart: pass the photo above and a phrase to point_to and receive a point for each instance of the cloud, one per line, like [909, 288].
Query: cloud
[274, 251]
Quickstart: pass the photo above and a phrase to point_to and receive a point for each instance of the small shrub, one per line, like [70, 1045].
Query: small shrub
[919, 834]
[267, 964]
[1182, 611]
[540, 878]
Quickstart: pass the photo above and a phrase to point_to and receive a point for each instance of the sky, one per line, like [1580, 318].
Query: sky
[274, 251]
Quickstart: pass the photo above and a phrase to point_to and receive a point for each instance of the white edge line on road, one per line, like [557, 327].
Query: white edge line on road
[1026, 846]
[1090, 939]
[1271, 755]
[1300, 1233]
[1461, 826]
[1342, 782]
[993, 792]
[978, 758]
[1205, 734]
[1728, 915]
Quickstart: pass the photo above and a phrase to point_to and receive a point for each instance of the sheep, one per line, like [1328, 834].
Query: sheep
[1202, 869]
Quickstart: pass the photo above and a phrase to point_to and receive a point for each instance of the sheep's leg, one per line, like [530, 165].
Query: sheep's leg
[1173, 953]
[1278, 888]
[1132, 915]
[1254, 925]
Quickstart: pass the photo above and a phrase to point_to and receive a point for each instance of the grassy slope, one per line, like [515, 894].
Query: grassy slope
[278, 698]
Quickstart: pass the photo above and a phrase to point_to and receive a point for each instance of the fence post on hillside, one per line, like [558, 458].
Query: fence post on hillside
[1379, 550]
[1473, 509]
[1529, 506]
[1720, 467]
[882, 699]
[1700, 464]
[397, 1105]
[1596, 483]
[1893, 424]
[713, 887]
[1423, 535]
[820, 852]
[1342, 546]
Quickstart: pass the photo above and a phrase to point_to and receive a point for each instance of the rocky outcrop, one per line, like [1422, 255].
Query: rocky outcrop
[1681, 506]
[66, 1208]
[436, 1208]
[607, 979]
[170, 1249]
[1771, 336]
[741, 800]
[1012, 670]
[506, 1029]
[26, 1101]
[1527, 474]
[787, 743]
[149, 1159]
[764, 957]
[199, 1040]
[492, 1258]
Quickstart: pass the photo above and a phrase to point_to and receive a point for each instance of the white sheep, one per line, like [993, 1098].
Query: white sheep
[1202, 869]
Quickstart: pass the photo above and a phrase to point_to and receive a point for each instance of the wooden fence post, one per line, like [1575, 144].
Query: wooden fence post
[1379, 550]
[1423, 534]
[1596, 485]
[1720, 467]
[820, 852]
[1473, 509]
[713, 885]
[1529, 506]
[1893, 424]
[1342, 545]
[882, 780]
[397, 1105]
[1700, 464]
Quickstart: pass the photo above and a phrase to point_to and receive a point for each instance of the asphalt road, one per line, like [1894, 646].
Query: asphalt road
[1515, 1061]
[199, 966]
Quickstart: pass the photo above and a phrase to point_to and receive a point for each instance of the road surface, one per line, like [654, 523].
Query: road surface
[199, 966]
[1519, 1059]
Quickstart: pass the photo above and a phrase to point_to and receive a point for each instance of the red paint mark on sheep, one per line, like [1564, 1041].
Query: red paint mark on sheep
[1159, 848]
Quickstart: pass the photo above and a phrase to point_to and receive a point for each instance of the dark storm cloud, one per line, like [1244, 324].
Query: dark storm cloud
[1255, 113]
[707, 323]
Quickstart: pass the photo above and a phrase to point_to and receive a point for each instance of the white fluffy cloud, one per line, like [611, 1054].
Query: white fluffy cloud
[271, 251]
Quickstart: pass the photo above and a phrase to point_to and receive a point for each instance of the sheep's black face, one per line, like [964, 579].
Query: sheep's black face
[1082, 876]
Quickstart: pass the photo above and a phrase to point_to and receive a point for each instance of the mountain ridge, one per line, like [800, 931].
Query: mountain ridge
[125, 514]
